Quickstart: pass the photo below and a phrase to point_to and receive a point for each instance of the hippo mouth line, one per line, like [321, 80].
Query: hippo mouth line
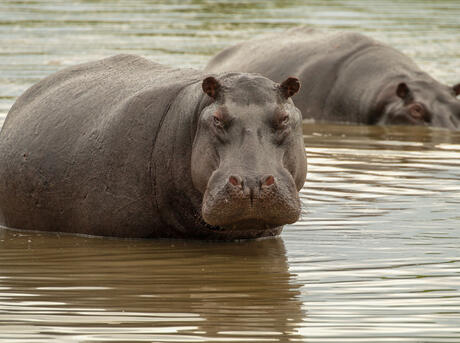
[241, 230]
[253, 225]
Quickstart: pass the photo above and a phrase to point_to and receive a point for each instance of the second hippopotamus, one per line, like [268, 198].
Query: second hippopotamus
[347, 77]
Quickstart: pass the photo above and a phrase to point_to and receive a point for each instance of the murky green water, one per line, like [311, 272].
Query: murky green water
[375, 258]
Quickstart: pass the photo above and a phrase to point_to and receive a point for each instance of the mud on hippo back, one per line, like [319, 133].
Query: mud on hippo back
[127, 147]
[347, 77]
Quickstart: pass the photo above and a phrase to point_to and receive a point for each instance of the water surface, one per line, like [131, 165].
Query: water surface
[374, 258]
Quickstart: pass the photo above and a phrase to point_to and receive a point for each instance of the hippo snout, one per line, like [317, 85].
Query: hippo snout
[245, 202]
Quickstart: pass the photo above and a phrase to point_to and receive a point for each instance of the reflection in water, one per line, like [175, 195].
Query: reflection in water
[101, 289]
[378, 246]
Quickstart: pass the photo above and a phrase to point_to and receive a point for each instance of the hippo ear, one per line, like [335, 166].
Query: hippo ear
[289, 87]
[456, 89]
[211, 87]
[403, 91]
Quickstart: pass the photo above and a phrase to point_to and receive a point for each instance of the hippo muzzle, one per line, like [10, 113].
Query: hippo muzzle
[248, 202]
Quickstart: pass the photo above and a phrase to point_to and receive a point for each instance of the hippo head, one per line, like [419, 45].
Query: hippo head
[426, 103]
[248, 157]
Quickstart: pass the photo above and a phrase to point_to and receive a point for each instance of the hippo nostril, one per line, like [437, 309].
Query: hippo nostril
[267, 180]
[234, 180]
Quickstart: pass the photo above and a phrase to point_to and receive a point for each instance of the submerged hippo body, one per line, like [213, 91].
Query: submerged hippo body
[127, 147]
[347, 77]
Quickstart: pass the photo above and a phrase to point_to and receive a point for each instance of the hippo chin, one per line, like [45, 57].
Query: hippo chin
[130, 148]
[347, 77]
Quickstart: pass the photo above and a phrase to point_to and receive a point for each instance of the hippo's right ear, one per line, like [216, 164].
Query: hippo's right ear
[403, 91]
[211, 87]
[289, 87]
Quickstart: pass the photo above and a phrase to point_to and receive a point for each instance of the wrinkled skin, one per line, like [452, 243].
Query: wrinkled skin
[347, 77]
[130, 148]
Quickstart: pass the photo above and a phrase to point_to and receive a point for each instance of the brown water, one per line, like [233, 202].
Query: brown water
[375, 257]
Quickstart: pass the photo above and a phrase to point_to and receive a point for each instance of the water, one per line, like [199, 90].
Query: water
[375, 257]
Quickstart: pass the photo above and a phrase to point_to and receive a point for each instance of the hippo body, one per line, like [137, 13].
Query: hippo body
[347, 77]
[108, 147]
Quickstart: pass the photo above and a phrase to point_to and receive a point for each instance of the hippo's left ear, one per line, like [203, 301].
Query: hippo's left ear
[211, 87]
[456, 89]
[289, 87]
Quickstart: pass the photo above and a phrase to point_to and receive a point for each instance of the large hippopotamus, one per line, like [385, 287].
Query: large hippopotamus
[347, 77]
[130, 148]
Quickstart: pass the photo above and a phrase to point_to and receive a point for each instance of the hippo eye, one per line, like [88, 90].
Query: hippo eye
[217, 122]
[282, 121]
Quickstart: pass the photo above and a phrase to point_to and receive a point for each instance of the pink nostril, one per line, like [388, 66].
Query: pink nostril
[269, 180]
[234, 181]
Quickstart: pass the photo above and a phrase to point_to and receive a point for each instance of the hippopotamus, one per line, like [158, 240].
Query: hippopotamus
[130, 148]
[347, 77]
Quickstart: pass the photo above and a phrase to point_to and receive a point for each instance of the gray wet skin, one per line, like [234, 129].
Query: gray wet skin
[130, 148]
[347, 77]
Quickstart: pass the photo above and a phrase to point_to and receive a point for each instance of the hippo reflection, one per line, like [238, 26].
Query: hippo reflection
[127, 147]
[347, 77]
[186, 290]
